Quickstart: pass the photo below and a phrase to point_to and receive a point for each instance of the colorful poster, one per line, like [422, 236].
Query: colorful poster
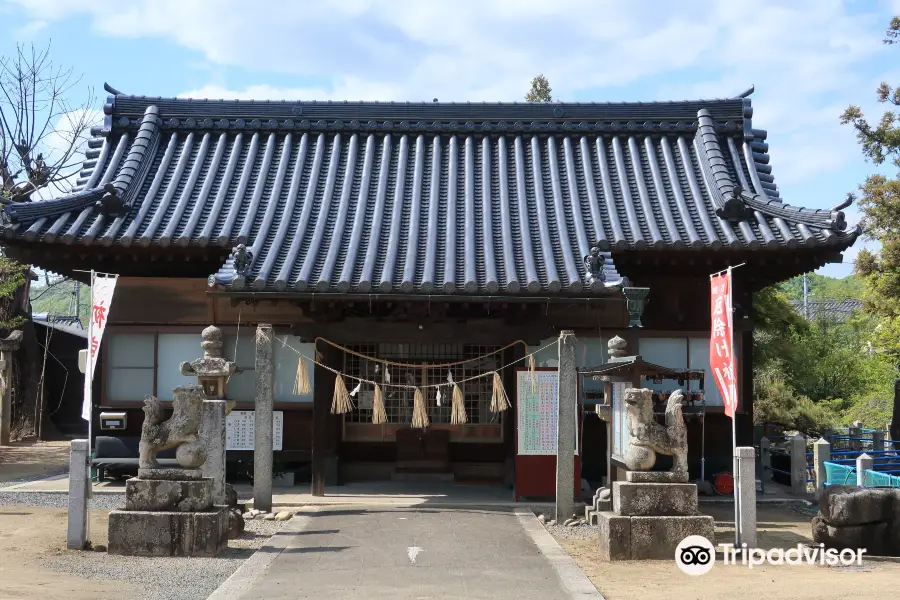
[537, 413]
[721, 340]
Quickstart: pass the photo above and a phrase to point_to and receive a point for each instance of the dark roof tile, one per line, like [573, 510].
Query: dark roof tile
[426, 197]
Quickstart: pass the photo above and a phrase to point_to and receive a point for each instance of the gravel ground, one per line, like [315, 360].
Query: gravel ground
[60, 500]
[168, 578]
[581, 531]
[159, 578]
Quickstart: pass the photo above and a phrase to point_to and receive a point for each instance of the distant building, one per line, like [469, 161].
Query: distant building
[832, 310]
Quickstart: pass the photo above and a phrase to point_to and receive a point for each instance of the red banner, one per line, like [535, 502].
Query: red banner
[721, 341]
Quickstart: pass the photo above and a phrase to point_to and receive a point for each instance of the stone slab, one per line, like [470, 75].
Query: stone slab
[146, 533]
[655, 477]
[658, 537]
[654, 499]
[165, 495]
[171, 474]
[874, 537]
[846, 505]
[614, 536]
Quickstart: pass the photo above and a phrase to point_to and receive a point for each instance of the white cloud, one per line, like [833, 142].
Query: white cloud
[29, 30]
[806, 57]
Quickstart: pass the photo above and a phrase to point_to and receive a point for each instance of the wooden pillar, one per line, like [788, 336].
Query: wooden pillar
[322, 393]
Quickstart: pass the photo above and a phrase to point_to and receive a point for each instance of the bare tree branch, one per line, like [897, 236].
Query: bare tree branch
[41, 133]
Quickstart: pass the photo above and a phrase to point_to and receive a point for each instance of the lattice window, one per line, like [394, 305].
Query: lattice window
[398, 402]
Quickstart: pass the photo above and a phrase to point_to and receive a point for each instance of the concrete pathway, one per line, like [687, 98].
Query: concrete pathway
[376, 553]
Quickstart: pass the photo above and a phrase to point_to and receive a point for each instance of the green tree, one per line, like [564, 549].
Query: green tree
[540, 90]
[880, 206]
[822, 287]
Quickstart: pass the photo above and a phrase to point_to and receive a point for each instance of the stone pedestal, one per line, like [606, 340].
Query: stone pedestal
[648, 520]
[168, 517]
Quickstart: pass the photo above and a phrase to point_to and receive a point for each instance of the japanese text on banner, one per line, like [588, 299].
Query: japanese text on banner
[721, 349]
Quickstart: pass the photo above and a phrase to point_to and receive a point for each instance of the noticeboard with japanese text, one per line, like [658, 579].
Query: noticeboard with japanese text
[721, 341]
[537, 413]
[240, 427]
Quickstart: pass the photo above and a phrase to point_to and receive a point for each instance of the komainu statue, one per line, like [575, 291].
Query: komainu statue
[181, 430]
[649, 438]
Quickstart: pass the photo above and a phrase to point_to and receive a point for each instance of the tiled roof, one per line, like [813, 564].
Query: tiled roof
[831, 310]
[426, 197]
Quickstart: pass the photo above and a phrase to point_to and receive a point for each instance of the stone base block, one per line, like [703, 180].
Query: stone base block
[648, 538]
[171, 474]
[655, 477]
[614, 536]
[163, 495]
[654, 499]
[145, 533]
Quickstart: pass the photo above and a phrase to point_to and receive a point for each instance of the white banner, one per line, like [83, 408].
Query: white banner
[102, 288]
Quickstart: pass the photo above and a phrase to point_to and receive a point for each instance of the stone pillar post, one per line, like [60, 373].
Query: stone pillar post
[864, 462]
[746, 459]
[79, 486]
[263, 417]
[821, 454]
[798, 464]
[212, 430]
[7, 347]
[567, 401]
[877, 440]
[854, 431]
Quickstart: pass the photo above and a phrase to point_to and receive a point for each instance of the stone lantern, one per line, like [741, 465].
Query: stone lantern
[212, 373]
[211, 370]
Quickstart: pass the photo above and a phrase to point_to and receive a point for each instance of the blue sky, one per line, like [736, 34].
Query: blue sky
[807, 58]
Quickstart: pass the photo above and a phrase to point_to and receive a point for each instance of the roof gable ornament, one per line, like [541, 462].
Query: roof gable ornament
[734, 208]
[593, 263]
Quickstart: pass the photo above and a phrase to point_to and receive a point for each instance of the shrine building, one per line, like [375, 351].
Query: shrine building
[386, 238]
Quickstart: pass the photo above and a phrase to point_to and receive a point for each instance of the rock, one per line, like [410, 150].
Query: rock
[253, 512]
[235, 524]
[846, 505]
[542, 519]
[567, 522]
[874, 537]
[572, 523]
[231, 497]
[551, 522]
[99, 548]
[284, 515]
[268, 517]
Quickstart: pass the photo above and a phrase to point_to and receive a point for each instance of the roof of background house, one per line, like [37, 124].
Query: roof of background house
[832, 310]
[69, 325]
[478, 198]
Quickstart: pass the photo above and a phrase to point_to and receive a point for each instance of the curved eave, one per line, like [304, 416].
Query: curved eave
[98, 189]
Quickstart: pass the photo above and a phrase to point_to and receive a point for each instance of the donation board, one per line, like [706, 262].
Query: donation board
[240, 426]
[536, 435]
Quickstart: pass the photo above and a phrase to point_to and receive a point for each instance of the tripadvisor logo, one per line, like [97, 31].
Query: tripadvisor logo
[695, 555]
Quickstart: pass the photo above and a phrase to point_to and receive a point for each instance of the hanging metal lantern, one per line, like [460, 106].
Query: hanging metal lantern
[635, 299]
